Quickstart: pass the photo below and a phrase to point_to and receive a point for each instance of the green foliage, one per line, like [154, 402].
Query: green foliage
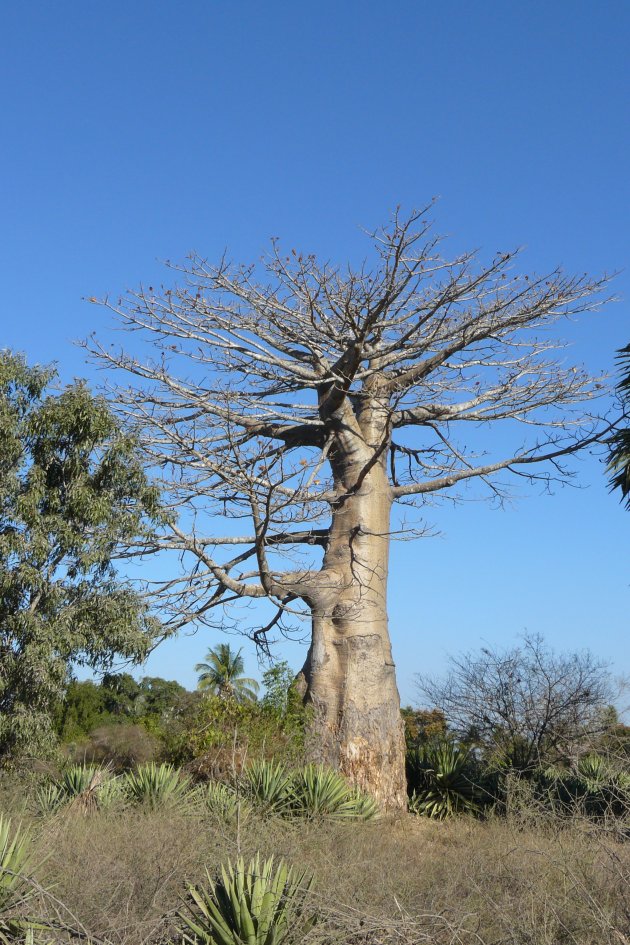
[223, 802]
[222, 675]
[313, 791]
[441, 781]
[119, 721]
[249, 905]
[16, 863]
[321, 792]
[71, 490]
[120, 745]
[594, 770]
[156, 786]
[269, 785]
[619, 443]
[218, 734]
[281, 695]
[423, 726]
[87, 787]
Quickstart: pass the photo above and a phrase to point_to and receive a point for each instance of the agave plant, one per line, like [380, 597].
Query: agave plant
[594, 771]
[78, 778]
[440, 775]
[269, 786]
[223, 802]
[50, 798]
[322, 792]
[156, 785]
[248, 905]
[15, 890]
[85, 787]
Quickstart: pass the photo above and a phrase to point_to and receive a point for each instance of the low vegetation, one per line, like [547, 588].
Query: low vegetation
[212, 840]
[523, 876]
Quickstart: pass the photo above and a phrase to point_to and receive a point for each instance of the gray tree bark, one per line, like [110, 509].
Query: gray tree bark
[349, 674]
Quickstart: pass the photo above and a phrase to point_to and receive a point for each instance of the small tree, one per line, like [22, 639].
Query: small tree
[71, 490]
[524, 706]
[222, 675]
[288, 413]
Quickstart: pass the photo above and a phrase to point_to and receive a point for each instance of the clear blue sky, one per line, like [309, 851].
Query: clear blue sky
[134, 132]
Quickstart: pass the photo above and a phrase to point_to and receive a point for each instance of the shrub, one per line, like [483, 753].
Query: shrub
[223, 802]
[120, 745]
[252, 904]
[214, 735]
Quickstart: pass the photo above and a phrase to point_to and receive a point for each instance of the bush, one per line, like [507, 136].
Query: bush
[269, 786]
[320, 792]
[86, 787]
[213, 736]
[312, 791]
[223, 802]
[120, 745]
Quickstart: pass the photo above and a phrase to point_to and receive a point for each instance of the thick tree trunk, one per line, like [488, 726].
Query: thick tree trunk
[349, 672]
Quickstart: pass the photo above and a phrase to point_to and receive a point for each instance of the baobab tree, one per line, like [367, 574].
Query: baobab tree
[289, 412]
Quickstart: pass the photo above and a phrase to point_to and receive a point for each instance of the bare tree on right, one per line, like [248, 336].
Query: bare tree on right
[525, 706]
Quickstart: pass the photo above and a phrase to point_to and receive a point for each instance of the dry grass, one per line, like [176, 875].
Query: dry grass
[121, 876]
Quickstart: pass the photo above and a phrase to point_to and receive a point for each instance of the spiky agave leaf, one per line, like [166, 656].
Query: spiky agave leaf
[50, 798]
[248, 905]
[594, 771]
[222, 801]
[16, 863]
[77, 778]
[156, 785]
[85, 787]
[269, 785]
[319, 791]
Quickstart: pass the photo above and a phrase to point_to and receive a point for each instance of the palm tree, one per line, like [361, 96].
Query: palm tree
[619, 458]
[223, 676]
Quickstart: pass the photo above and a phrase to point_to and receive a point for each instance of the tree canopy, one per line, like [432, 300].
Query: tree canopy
[290, 407]
[72, 489]
[524, 705]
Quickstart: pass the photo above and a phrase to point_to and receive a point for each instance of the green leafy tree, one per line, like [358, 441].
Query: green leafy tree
[81, 710]
[423, 726]
[158, 698]
[281, 692]
[619, 458]
[121, 692]
[222, 675]
[71, 489]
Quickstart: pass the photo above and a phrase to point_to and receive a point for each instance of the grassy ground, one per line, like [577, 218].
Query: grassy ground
[119, 878]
